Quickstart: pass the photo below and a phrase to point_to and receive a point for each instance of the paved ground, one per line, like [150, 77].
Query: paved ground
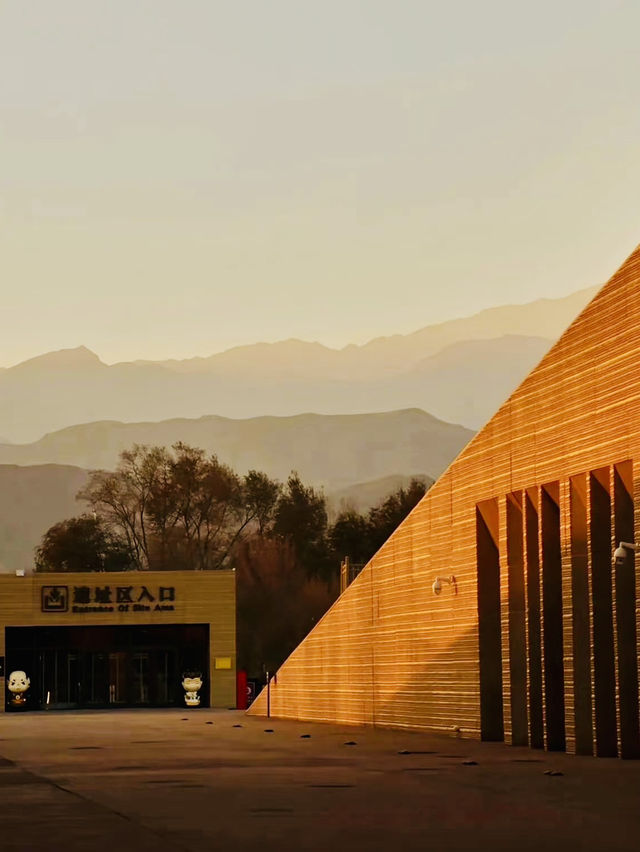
[176, 780]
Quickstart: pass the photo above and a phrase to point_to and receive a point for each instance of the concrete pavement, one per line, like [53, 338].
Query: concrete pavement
[212, 780]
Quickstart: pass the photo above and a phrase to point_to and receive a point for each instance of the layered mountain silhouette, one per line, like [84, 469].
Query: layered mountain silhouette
[336, 453]
[364, 495]
[328, 451]
[31, 500]
[459, 371]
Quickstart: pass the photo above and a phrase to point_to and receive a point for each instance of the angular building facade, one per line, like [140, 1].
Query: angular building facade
[495, 607]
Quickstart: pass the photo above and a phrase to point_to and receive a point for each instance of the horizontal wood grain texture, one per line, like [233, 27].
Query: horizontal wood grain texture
[390, 652]
[207, 597]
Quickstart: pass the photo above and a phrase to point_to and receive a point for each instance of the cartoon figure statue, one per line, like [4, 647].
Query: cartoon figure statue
[191, 683]
[17, 685]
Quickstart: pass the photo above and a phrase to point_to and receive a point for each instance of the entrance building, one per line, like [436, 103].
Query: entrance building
[108, 640]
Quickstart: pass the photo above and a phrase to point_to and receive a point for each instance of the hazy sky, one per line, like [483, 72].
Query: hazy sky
[180, 176]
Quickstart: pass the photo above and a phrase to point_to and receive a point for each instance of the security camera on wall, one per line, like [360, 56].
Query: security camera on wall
[622, 552]
[436, 588]
[619, 556]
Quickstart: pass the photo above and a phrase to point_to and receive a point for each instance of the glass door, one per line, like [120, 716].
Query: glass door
[140, 681]
[60, 682]
[118, 677]
[162, 675]
[96, 691]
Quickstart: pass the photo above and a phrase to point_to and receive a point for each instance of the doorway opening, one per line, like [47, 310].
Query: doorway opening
[552, 617]
[488, 555]
[108, 667]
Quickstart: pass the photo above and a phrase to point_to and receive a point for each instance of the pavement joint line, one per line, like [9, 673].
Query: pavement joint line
[43, 779]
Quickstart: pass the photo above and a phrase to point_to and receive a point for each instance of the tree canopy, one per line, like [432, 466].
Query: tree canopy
[277, 602]
[360, 536]
[300, 519]
[82, 544]
[178, 508]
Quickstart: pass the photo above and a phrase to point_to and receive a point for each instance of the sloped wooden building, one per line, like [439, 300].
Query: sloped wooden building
[495, 608]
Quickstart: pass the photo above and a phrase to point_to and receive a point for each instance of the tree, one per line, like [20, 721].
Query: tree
[124, 498]
[285, 574]
[359, 537]
[215, 506]
[261, 496]
[300, 518]
[82, 544]
[277, 603]
[180, 508]
[350, 536]
[388, 515]
[208, 497]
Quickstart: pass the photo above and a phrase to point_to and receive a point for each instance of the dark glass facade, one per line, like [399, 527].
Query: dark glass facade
[107, 666]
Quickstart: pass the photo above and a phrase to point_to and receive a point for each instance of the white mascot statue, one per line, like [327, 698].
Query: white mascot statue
[18, 684]
[191, 683]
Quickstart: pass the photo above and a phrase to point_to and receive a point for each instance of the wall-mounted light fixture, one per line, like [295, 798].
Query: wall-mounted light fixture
[620, 553]
[437, 584]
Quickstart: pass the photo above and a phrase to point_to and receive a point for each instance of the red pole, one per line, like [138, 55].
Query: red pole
[241, 690]
[268, 696]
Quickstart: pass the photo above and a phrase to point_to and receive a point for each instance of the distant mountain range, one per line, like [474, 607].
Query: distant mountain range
[458, 370]
[340, 454]
[329, 451]
[31, 500]
[364, 495]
